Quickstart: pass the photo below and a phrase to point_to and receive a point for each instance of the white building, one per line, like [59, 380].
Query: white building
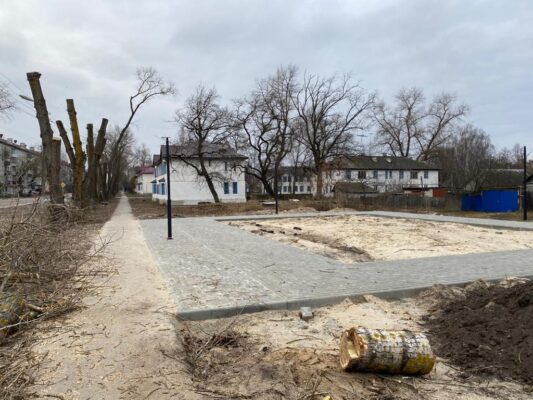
[18, 167]
[382, 173]
[224, 165]
[144, 176]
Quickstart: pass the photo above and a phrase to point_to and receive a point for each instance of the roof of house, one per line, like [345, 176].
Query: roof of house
[363, 162]
[20, 146]
[156, 159]
[353, 187]
[211, 151]
[144, 169]
[503, 178]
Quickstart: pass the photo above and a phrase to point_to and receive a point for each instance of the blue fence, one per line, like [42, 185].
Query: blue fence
[491, 201]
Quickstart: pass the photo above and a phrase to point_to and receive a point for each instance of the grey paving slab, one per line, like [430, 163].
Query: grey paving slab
[212, 266]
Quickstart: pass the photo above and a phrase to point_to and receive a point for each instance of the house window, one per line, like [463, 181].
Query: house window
[284, 189]
[414, 174]
[309, 188]
[226, 187]
[235, 187]
[225, 165]
[361, 174]
[296, 189]
[388, 174]
[162, 188]
[348, 174]
[209, 162]
[301, 188]
[401, 174]
[284, 179]
[154, 188]
[426, 174]
[375, 174]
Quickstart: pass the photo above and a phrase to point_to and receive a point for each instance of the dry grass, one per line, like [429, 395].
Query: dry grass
[44, 264]
[145, 208]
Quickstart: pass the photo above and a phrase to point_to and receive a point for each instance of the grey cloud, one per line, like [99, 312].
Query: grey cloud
[89, 51]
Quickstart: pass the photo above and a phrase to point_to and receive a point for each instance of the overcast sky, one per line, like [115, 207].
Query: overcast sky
[89, 51]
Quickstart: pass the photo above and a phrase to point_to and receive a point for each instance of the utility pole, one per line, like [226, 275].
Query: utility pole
[169, 201]
[524, 189]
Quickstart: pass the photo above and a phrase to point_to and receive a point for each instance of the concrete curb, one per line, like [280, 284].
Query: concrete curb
[396, 294]
[491, 224]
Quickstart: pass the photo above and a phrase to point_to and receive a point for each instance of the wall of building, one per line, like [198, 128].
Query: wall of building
[16, 161]
[188, 188]
[383, 181]
[144, 184]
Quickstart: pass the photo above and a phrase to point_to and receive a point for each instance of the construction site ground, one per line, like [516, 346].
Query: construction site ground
[128, 344]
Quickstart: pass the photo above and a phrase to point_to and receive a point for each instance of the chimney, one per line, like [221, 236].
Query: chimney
[1, 135]
[15, 141]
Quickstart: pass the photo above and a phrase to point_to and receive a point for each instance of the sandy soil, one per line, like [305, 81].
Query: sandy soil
[264, 355]
[126, 345]
[118, 346]
[351, 239]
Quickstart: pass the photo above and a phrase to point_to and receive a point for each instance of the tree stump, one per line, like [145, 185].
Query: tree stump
[394, 352]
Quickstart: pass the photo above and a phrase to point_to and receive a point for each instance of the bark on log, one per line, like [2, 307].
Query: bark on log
[11, 309]
[394, 352]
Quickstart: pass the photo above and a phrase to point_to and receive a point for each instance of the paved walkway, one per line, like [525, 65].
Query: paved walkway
[214, 269]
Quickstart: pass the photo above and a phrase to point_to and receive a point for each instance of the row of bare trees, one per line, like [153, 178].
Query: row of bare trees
[310, 120]
[97, 167]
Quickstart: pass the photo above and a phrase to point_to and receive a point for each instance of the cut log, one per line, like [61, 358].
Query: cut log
[11, 309]
[394, 352]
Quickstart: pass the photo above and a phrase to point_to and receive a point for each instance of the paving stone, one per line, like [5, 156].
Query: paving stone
[211, 265]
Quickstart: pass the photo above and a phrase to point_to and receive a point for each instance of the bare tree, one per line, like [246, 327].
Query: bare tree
[7, 103]
[331, 110]
[149, 85]
[206, 126]
[399, 127]
[266, 119]
[412, 128]
[466, 159]
[122, 155]
[141, 155]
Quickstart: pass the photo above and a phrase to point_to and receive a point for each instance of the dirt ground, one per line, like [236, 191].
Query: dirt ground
[488, 329]
[144, 208]
[350, 239]
[126, 344]
[275, 355]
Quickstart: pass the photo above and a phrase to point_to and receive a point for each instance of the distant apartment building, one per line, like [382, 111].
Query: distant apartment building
[360, 174]
[383, 174]
[19, 165]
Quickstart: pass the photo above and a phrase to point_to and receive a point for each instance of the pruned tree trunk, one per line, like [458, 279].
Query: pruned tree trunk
[51, 158]
[392, 352]
[79, 161]
[94, 154]
[319, 182]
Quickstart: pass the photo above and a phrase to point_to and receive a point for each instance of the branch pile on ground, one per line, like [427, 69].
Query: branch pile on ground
[42, 252]
[487, 330]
